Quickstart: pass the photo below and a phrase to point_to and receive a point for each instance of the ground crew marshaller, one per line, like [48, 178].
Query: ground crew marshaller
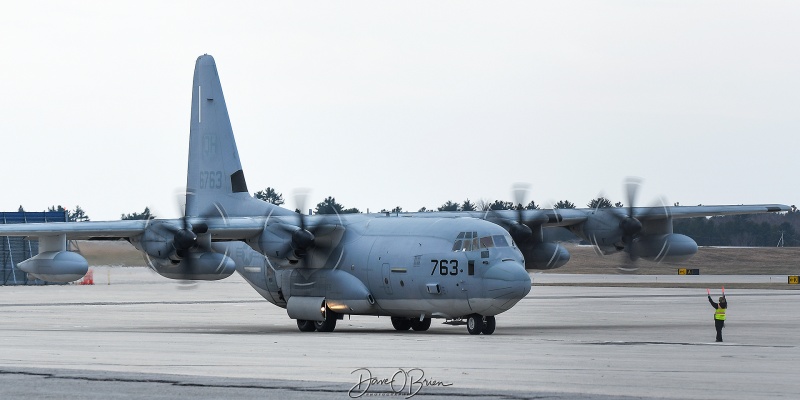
[719, 314]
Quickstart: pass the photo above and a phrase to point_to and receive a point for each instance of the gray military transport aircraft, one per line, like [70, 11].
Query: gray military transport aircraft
[464, 267]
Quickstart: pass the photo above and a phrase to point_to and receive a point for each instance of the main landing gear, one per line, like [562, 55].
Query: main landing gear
[404, 324]
[327, 325]
[477, 324]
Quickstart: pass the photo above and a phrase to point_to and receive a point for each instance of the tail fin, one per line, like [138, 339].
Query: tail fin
[215, 173]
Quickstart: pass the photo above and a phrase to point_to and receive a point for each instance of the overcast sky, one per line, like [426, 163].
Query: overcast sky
[411, 104]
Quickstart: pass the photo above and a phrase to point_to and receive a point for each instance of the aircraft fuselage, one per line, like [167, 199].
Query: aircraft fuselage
[401, 267]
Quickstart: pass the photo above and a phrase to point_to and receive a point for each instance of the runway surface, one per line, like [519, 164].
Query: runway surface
[144, 337]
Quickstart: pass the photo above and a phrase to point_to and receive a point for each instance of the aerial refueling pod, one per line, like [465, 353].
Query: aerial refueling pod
[54, 263]
[671, 247]
[544, 255]
[56, 266]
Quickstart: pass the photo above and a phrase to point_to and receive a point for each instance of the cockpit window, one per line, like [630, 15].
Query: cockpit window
[469, 241]
[500, 241]
[462, 245]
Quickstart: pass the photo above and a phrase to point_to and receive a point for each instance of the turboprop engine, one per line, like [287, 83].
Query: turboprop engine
[672, 247]
[183, 252]
[544, 255]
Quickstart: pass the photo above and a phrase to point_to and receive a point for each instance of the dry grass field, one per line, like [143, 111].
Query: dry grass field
[112, 253]
[710, 261]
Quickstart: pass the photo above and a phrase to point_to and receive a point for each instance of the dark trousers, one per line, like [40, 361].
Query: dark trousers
[719, 324]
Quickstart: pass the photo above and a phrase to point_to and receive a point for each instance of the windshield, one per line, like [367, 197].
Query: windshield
[468, 241]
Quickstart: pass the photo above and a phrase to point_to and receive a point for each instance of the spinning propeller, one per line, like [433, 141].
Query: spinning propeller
[185, 239]
[516, 227]
[309, 241]
[630, 224]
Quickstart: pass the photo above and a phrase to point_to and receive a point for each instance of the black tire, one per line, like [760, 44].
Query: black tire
[329, 324]
[305, 325]
[474, 324]
[489, 324]
[420, 326]
[401, 324]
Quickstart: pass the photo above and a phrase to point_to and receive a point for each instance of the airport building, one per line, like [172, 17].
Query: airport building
[14, 250]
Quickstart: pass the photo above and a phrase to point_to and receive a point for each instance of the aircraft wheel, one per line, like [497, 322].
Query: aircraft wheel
[401, 324]
[329, 324]
[305, 325]
[474, 324]
[488, 325]
[420, 326]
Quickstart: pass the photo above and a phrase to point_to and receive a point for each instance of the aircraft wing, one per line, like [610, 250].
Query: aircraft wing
[646, 213]
[220, 229]
[573, 216]
[76, 230]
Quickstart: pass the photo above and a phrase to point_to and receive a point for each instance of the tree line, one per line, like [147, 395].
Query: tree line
[76, 215]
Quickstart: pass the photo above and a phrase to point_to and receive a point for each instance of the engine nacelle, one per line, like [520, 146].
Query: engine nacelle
[206, 266]
[672, 247]
[56, 266]
[156, 240]
[545, 256]
[273, 241]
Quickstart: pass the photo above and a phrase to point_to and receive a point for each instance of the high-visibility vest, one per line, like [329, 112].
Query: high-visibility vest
[719, 314]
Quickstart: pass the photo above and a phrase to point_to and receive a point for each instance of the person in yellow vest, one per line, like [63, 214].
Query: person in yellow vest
[719, 314]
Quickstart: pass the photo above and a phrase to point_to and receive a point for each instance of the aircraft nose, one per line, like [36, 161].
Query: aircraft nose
[506, 283]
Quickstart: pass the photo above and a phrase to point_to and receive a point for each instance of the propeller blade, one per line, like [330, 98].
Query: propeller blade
[632, 185]
[515, 225]
[520, 192]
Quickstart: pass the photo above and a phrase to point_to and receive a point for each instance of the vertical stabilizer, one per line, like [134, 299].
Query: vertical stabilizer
[215, 173]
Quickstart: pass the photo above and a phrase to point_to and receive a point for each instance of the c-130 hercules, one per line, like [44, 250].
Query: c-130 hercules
[458, 266]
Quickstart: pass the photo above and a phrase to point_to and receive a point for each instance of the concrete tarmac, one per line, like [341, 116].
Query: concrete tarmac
[144, 336]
